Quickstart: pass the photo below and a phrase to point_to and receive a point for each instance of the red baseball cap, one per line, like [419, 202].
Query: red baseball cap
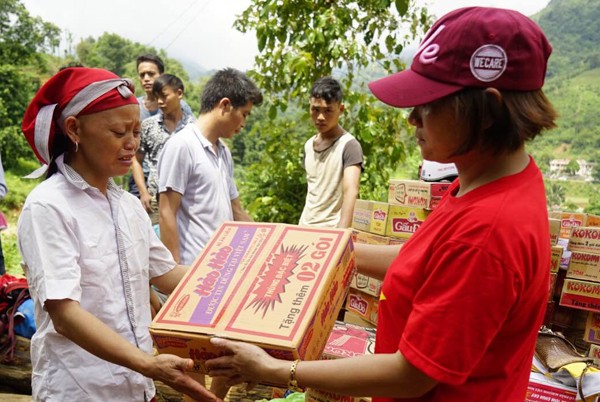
[73, 91]
[470, 47]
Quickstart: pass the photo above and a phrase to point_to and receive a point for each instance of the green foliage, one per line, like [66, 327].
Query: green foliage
[572, 28]
[18, 188]
[301, 41]
[22, 39]
[555, 195]
[572, 167]
[268, 165]
[573, 79]
[13, 146]
[23, 36]
[117, 54]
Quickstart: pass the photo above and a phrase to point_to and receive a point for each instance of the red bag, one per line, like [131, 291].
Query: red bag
[13, 292]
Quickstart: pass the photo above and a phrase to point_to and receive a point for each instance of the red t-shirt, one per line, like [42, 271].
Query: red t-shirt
[465, 297]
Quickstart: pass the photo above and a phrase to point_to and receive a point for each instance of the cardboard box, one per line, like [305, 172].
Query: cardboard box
[555, 258]
[351, 317]
[568, 220]
[416, 193]
[592, 328]
[585, 239]
[366, 284]
[370, 216]
[362, 304]
[345, 340]
[349, 340]
[277, 286]
[554, 230]
[553, 276]
[358, 236]
[580, 295]
[584, 266]
[594, 351]
[544, 389]
[404, 221]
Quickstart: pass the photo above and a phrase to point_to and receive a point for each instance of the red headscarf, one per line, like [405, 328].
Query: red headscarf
[73, 91]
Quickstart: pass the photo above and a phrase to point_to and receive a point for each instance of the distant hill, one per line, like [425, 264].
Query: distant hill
[194, 69]
[573, 79]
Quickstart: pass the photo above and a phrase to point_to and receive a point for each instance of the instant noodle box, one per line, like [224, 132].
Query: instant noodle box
[274, 285]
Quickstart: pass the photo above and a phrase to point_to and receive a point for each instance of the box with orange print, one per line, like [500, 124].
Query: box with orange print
[370, 216]
[404, 221]
[585, 239]
[569, 220]
[364, 305]
[277, 286]
[416, 193]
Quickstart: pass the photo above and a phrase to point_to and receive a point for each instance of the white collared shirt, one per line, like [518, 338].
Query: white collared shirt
[100, 251]
[189, 165]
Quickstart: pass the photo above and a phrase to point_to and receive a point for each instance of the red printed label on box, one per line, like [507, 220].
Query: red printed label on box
[581, 295]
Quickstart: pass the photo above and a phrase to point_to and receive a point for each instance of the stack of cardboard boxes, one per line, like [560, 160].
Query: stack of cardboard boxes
[576, 273]
[574, 301]
[409, 204]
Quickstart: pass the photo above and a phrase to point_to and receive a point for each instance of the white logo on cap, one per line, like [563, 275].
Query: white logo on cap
[488, 62]
[428, 51]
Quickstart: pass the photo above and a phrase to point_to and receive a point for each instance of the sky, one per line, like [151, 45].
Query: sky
[199, 31]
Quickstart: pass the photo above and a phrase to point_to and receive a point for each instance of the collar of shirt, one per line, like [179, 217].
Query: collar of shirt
[206, 144]
[75, 178]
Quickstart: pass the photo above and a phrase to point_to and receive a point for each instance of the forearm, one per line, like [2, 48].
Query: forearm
[374, 260]
[169, 234]
[347, 209]
[239, 214]
[138, 176]
[383, 375]
[166, 283]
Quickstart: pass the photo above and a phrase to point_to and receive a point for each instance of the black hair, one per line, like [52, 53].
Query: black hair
[231, 84]
[167, 80]
[328, 89]
[151, 58]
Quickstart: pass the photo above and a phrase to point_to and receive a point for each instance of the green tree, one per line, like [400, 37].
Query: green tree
[23, 38]
[118, 54]
[300, 41]
[555, 195]
[572, 167]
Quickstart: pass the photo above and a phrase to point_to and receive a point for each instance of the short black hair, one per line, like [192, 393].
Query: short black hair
[167, 80]
[328, 89]
[151, 58]
[232, 84]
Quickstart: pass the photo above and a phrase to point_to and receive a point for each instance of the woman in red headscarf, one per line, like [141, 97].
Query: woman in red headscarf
[89, 249]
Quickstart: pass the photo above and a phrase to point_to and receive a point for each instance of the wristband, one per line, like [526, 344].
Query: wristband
[293, 383]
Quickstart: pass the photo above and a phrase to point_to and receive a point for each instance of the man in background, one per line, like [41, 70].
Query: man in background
[195, 173]
[333, 161]
[156, 130]
[149, 67]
